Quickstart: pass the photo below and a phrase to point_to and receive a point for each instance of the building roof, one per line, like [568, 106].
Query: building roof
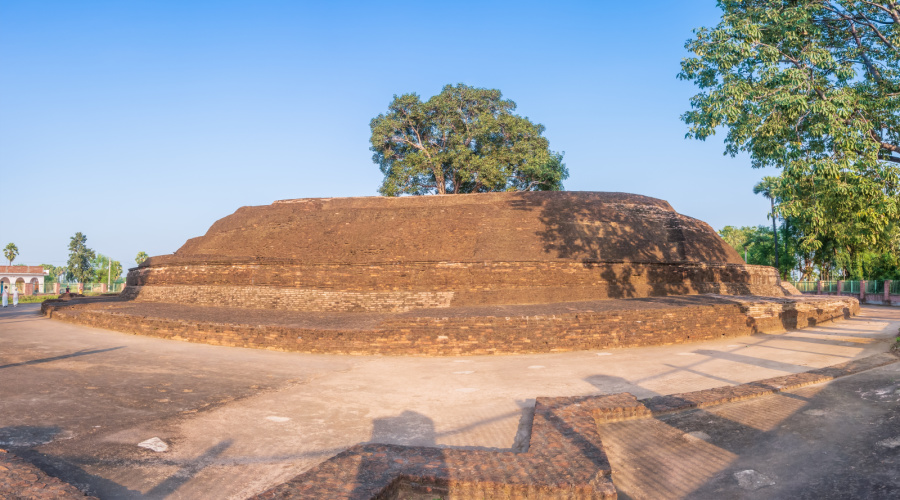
[20, 270]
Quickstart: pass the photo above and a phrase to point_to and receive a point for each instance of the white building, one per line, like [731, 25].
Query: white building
[26, 279]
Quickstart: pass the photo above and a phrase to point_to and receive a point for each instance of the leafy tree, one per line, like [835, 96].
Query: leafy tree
[141, 257]
[463, 140]
[54, 271]
[812, 87]
[766, 187]
[738, 238]
[11, 252]
[79, 265]
[105, 269]
[757, 246]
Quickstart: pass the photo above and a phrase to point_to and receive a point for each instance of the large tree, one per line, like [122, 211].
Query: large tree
[79, 266]
[812, 87]
[463, 140]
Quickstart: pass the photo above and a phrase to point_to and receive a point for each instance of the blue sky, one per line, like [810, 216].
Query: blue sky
[140, 123]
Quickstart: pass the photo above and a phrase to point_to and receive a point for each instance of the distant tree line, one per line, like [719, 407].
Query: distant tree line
[85, 265]
[756, 244]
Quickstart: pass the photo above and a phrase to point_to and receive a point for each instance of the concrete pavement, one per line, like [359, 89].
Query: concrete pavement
[77, 401]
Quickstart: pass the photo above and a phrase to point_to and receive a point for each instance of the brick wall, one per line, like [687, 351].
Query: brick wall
[288, 299]
[405, 286]
[434, 336]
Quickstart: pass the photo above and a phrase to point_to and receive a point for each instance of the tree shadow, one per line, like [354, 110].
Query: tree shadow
[639, 245]
[83, 352]
[409, 428]
[188, 471]
[24, 436]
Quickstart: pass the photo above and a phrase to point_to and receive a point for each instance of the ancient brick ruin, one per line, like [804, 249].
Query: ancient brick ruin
[449, 275]
[496, 273]
[398, 254]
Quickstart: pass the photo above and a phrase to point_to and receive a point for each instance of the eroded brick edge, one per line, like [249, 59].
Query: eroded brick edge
[21, 479]
[704, 318]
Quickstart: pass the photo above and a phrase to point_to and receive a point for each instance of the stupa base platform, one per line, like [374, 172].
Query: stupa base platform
[456, 331]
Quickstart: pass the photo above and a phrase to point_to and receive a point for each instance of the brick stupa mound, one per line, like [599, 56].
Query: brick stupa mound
[481, 273]
[398, 254]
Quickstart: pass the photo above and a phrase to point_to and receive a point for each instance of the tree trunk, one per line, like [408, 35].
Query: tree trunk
[439, 183]
[775, 233]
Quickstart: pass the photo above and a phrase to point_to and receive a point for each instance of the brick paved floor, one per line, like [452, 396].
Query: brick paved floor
[77, 401]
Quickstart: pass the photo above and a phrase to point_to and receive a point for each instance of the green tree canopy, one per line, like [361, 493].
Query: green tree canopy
[11, 251]
[757, 245]
[463, 140]
[79, 265]
[141, 257]
[105, 269]
[812, 87]
[54, 271]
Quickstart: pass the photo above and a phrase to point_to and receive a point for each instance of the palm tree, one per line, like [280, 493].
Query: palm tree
[766, 187]
[11, 252]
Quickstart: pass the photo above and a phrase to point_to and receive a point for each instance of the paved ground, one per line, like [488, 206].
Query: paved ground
[77, 401]
[829, 441]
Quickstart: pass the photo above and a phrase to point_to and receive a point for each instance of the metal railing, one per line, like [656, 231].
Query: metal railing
[48, 287]
[850, 287]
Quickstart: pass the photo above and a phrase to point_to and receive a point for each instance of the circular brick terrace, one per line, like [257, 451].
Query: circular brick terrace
[512, 329]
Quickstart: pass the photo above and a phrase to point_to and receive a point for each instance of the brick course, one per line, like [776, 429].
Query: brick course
[460, 331]
[400, 287]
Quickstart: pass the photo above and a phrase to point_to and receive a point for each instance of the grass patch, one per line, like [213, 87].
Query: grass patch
[37, 299]
[32, 299]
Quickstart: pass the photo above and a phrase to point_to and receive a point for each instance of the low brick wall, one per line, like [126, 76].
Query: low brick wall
[396, 287]
[288, 299]
[570, 327]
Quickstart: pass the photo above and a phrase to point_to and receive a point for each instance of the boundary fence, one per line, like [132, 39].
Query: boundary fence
[869, 291]
[49, 287]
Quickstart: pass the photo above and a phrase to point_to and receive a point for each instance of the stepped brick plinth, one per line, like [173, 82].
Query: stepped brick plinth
[382, 254]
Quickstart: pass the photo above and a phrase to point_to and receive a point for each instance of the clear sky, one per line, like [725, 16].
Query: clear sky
[141, 123]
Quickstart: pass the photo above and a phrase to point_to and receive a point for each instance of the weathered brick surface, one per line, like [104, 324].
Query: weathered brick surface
[565, 457]
[21, 480]
[404, 286]
[460, 331]
[559, 226]
[399, 254]
[288, 299]
[565, 460]
[617, 408]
